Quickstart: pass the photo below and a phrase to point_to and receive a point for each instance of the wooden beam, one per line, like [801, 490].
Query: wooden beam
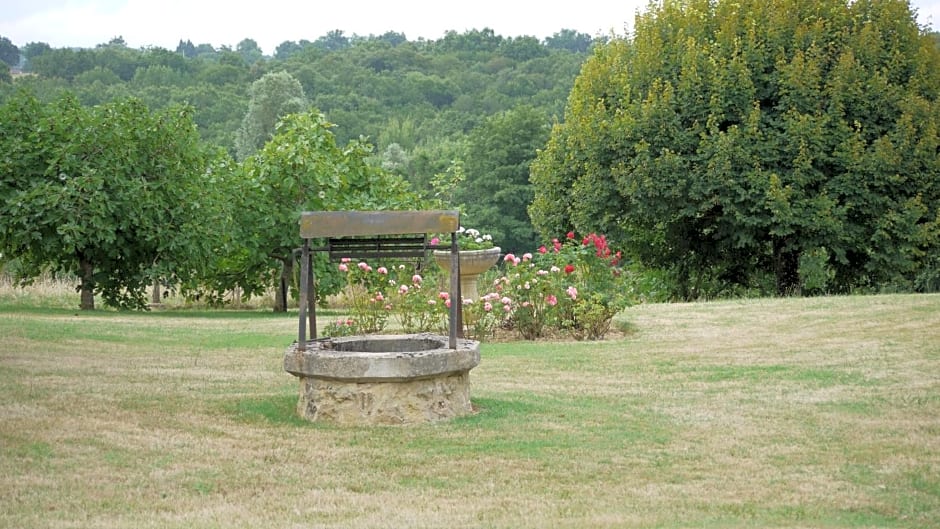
[315, 224]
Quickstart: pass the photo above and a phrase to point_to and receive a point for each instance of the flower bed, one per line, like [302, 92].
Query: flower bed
[570, 287]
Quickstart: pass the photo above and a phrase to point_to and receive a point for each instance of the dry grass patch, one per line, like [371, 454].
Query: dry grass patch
[820, 412]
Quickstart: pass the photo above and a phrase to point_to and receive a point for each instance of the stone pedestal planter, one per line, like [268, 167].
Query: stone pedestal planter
[472, 264]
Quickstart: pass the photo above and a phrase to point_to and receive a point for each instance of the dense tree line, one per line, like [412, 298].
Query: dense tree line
[405, 111]
[728, 146]
[369, 86]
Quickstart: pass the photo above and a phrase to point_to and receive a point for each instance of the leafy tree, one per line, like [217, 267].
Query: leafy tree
[35, 49]
[726, 141]
[63, 62]
[497, 189]
[286, 49]
[569, 39]
[393, 37]
[334, 40]
[272, 96]
[110, 193]
[523, 48]
[186, 48]
[97, 75]
[9, 53]
[250, 51]
[302, 169]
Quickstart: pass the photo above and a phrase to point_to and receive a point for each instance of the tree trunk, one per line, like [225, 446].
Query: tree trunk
[283, 285]
[88, 284]
[786, 268]
[155, 297]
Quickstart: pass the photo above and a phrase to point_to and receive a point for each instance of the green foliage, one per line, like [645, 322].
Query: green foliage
[272, 97]
[9, 53]
[110, 193]
[727, 141]
[425, 96]
[497, 189]
[367, 292]
[375, 293]
[300, 169]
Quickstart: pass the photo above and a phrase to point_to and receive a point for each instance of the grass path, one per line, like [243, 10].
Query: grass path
[818, 412]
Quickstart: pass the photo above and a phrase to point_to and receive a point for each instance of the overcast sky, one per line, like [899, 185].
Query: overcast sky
[163, 23]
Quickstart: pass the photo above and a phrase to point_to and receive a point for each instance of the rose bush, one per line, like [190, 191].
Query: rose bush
[571, 287]
[367, 294]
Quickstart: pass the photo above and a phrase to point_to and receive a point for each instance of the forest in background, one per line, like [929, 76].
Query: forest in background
[428, 107]
[465, 116]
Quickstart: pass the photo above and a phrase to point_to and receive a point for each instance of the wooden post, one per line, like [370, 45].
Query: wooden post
[304, 286]
[312, 297]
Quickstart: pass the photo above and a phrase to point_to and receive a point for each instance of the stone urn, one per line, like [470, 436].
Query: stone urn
[472, 264]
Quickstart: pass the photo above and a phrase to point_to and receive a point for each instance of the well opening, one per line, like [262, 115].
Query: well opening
[383, 344]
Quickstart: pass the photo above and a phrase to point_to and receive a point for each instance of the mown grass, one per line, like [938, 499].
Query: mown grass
[819, 412]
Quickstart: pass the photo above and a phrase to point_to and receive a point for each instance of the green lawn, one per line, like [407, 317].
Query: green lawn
[818, 412]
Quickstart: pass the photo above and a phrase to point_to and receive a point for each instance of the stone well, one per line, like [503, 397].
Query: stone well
[383, 379]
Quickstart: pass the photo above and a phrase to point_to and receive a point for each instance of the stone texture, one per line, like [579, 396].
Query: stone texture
[389, 403]
[383, 379]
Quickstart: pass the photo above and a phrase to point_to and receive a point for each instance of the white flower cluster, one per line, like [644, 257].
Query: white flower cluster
[475, 234]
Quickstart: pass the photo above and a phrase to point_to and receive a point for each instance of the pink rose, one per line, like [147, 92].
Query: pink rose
[382, 270]
[343, 267]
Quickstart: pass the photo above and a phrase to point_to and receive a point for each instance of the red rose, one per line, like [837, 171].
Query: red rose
[569, 268]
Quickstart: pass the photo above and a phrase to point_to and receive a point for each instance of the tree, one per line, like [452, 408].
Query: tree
[186, 48]
[302, 169]
[286, 49]
[63, 62]
[334, 40]
[569, 39]
[250, 51]
[9, 53]
[497, 189]
[273, 96]
[734, 141]
[35, 49]
[109, 193]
